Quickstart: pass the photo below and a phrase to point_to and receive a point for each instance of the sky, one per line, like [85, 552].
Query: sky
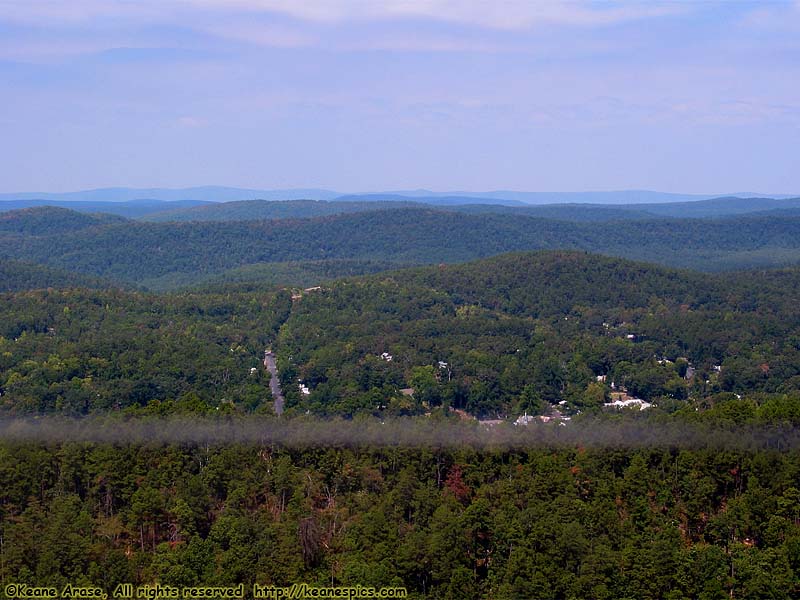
[367, 95]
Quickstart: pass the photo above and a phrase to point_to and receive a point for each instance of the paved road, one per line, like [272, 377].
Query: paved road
[274, 382]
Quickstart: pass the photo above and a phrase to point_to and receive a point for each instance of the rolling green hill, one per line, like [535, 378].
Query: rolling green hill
[262, 209]
[130, 209]
[170, 476]
[51, 220]
[259, 210]
[521, 332]
[498, 336]
[17, 276]
[189, 252]
[254, 210]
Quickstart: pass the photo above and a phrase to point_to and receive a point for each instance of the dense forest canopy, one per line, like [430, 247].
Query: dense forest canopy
[551, 334]
[512, 334]
[259, 210]
[172, 254]
[263, 209]
[522, 332]
[252, 204]
[443, 524]
[50, 220]
[77, 351]
[19, 276]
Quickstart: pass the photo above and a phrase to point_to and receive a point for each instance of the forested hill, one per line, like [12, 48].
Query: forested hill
[253, 210]
[263, 209]
[557, 283]
[133, 251]
[718, 207]
[76, 351]
[131, 208]
[51, 220]
[258, 210]
[514, 331]
[17, 276]
[521, 332]
[552, 283]
[547, 336]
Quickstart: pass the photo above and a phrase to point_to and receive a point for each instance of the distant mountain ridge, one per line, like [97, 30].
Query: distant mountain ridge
[623, 197]
[132, 209]
[575, 211]
[253, 210]
[508, 197]
[249, 210]
[436, 200]
[203, 194]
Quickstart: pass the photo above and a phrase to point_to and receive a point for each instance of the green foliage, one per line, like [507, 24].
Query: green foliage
[257, 210]
[444, 524]
[50, 220]
[19, 276]
[521, 332]
[186, 253]
[505, 336]
[78, 351]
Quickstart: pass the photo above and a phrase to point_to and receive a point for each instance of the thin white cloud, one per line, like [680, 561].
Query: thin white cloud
[45, 50]
[191, 122]
[260, 34]
[496, 14]
[778, 16]
[39, 12]
[351, 25]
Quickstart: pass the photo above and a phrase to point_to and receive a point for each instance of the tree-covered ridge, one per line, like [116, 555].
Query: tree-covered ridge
[17, 276]
[502, 336]
[136, 250]
[131, 209]
[51, 220]
[188, 252]
[293, 273]
[300, 209]
[522, 332]
[281, 208]
[260, 210]
[80, 351]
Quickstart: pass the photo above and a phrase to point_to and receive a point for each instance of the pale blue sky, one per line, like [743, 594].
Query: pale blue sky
[367, 95]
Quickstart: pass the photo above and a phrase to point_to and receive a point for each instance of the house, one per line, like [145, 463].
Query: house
[387, 357]
[628, 402]
[524, 419]
[554, 416]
